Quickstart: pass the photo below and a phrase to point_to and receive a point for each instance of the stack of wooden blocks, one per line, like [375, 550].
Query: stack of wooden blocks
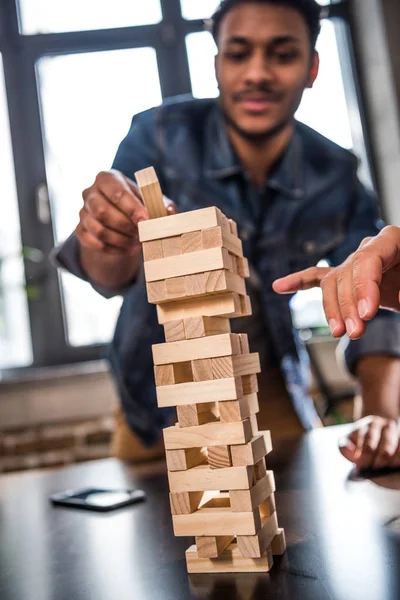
[220, 490]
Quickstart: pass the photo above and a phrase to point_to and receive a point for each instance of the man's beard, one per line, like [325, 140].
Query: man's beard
[256, 137]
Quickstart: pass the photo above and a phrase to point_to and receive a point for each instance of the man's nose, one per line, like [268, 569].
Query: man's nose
[258, 69]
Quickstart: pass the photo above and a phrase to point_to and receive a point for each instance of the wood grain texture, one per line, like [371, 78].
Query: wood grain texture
[179, 224]
[171, 375]
[248, 500]
[209, 347]
[190, 415]
[204, 478]
[238, 410]
[181, 460]
[186, 264]
[254, 451]
[213, 434]
[192, 242]
[236, 366]
[221, 305]
[172, 246]
[195, 285]
[278, 545]
[151, 192]
[219, 457]
[216, 521]
[197, 392]
[224, 281]
[250, 384]
[219, 237]
[156, 292]
[175, 288]
[230, 561]
[196, 327]
[254, 546]
[243, 267]
[175, 331]
[185, 503]
[212, 546]
[202, 370]
[152, 250]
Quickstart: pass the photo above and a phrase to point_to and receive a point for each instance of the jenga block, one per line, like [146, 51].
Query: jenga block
[181, 460]
[174, 331]
[260, 469]
[196, 327]
[216, 521]
[248, 500]
[152, 250]
[243, 267]
[195, 285]
[192, 242]
[268, 507]
[213, 434]
[219, 305]
[238, 410]
[197, 414]
[185, 503]
[177, 373]
[278, 545]
[236, 366]
[234, 265]
[233, 226]
[151, 192]
[186, 264]
[219, 237]
[208, 347]
[211, 546]
[254, 546]
[254, 424]
[179, 224]
[253, 452]
[219, 457]
[244, 343]
[250, 383]
[245, 306]
[197, 392]
[203, 478]
[230, 561]
[224, 281]
[172, 246]
[156, 292]
[175, 288]
[202, 369]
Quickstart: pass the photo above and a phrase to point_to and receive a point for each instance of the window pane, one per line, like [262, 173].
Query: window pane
[201, 51]
[50, 16]
[84, 121]
[15, 342]
[194, 9]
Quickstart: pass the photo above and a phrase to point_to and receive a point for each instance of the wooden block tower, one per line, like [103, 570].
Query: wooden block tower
[220, 489]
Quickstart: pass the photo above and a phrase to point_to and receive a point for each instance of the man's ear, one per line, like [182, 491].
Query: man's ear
[314, 70]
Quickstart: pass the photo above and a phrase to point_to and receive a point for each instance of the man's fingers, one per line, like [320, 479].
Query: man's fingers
[120, 193]
[366, 277]
[355, 326]
[303, 280]
[387, 446]
[87, 240]
[105, 234]
[349, 450]
[370, 446]
[331, 305]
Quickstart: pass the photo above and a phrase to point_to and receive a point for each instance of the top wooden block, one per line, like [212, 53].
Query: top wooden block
[151, 192]
[165, 227]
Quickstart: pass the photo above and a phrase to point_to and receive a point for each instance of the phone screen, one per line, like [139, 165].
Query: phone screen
[98, 499]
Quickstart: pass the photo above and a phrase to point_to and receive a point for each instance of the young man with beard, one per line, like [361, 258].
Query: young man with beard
[295, 196]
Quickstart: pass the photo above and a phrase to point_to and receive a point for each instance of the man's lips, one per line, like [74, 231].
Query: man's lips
[257, 104]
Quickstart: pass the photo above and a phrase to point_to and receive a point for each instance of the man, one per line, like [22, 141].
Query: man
[294, 195]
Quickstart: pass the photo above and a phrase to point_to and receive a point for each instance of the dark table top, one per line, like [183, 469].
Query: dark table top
[343, 535]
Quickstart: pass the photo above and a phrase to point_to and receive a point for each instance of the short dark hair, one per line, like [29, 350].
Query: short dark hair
[309, 9]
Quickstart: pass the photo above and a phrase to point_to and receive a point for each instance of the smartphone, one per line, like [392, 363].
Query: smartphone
[97, 499]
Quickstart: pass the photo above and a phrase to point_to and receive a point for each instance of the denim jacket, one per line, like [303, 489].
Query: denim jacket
[313, 207]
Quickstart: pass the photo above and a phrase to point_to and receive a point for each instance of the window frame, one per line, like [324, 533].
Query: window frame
[20, 54]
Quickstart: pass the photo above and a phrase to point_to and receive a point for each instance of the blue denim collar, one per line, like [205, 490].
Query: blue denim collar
[221, 161]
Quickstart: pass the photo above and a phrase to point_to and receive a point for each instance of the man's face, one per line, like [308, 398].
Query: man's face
[265, 62]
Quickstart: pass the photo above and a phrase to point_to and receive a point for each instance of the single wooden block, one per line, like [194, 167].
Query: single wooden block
[243, 267]
[212, 546]
[202, 369]
[254, 546]
[197, 392]
[268, 507]
[233, 226]
[185, 503]
[175, 331]
[152, 250]
[171, 375]
[234, 267]
[220, 305]
[203, 478]
[245, 306]
[156, 292]
[197, 414]
[248, 500]
[253, 452]
[230, 561]
[260, 469]
[192, 242]
[219, 457]
[224, 281]
[175, 288]
[278, 545]
[250, 383]
[179, 224]
[172, 246]
[195, 285]
[197, 327]
[238, 410]
[186, 264]
[219, 237]
[215, 522]
[244, 343]
[236, 366]
[212, 434]
[208, 347]
[181, 460]
[151, 191]
[254, 424]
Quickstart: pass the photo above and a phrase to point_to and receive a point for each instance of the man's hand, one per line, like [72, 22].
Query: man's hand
[375, 443]
[353, 292]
